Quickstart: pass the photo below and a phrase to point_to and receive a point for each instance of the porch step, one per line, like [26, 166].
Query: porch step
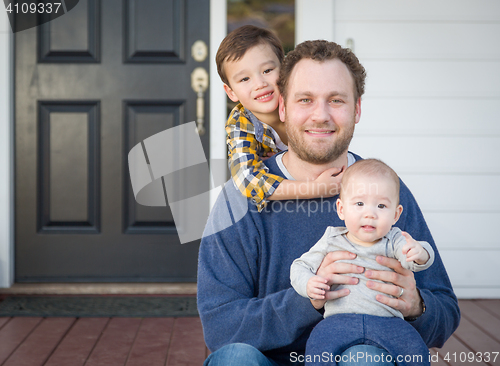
[100, 289]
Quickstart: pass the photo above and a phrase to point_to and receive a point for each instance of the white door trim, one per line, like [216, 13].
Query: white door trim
[218, 116]
[6, 152]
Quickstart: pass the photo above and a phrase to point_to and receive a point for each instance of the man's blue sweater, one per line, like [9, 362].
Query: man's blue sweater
[244, 291]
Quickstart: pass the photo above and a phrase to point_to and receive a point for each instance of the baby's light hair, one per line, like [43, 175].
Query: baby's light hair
[369, 167]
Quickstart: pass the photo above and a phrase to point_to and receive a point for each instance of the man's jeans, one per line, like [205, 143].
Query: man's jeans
[335, 334]
[240, 354]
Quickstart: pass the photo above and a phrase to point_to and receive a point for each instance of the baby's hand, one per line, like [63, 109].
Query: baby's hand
[317, 287]
[328, 182]
[414, 251]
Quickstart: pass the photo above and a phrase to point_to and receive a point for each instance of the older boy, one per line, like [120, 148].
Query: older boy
[248, 62]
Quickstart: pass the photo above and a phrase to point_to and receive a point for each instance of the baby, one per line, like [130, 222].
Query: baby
[369, 205]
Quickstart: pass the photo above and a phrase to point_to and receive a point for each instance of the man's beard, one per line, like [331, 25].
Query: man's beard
[327, 153]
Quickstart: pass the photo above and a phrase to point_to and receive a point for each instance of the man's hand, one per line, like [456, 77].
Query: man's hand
[333, 273]
[414, 251]
[408, 301]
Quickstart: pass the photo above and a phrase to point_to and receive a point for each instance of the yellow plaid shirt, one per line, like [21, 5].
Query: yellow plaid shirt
[247, 140]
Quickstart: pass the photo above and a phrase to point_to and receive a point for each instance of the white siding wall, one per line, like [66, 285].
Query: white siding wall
[432, 111]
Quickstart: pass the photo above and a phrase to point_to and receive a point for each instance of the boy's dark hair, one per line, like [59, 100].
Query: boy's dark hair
[236, 43]
[321, 50]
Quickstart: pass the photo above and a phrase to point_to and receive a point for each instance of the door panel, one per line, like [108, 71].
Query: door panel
[90, 85]
[68, 151]
[144, 21]
[74, 37]
[144, 119]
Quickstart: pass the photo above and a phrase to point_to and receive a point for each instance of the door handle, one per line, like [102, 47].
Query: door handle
[199, 83]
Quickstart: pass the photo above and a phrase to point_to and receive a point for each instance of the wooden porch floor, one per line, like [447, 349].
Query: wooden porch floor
[26, 341]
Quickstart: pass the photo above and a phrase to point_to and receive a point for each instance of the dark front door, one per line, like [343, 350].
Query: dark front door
[90, 85]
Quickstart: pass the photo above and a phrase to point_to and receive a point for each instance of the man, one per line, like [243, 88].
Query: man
[250, 313]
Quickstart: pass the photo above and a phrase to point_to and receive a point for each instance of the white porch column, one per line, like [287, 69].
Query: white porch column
[314, 19]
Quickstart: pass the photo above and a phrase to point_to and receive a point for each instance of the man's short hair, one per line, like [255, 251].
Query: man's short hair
[321, 50]
[236, 43]
[371, 168]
